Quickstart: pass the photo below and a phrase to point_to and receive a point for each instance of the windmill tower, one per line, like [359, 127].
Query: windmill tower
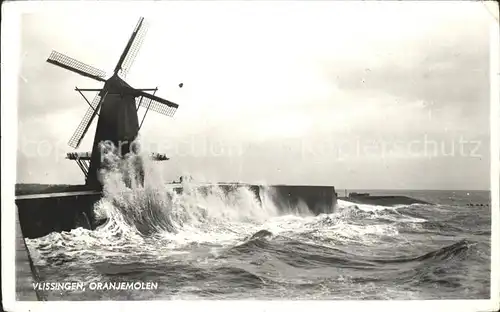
[116, 105]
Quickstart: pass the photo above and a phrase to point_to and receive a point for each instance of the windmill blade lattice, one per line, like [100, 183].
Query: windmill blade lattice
[157, 104]
[133, 47]
[84, 125]
[78, 67]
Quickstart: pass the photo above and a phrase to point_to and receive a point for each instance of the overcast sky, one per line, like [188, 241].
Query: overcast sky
[358, 95]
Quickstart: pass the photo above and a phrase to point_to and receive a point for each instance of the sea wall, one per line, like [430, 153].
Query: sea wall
[26, 272]
[317, 199]
[41, 214]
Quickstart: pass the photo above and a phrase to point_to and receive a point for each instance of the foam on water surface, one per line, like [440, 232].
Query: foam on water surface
[204, 236]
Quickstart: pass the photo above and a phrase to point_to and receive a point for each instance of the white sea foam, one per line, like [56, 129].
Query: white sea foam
[154, 218]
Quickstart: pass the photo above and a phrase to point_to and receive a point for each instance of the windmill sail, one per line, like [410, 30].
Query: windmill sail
[118, 118]
[84, 125]
[133, 46]
[157, 104]
[78, 67]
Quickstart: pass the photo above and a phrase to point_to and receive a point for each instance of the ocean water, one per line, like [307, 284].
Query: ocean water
[217, 245]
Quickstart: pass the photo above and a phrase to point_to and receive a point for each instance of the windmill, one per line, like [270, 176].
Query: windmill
[116, 104]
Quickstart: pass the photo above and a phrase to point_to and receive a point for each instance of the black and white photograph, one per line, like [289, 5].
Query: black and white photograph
[281, 151]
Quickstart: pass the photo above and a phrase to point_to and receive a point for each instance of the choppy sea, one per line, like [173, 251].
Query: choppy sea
[219, 245]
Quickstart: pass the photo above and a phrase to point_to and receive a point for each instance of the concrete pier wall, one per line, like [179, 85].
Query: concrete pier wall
[317, 199]
[41, 214]
[26, 272]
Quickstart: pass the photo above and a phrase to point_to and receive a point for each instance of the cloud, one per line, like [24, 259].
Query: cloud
[270, 78]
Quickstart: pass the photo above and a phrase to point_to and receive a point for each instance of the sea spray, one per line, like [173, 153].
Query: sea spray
[355, 253]
[155, 207]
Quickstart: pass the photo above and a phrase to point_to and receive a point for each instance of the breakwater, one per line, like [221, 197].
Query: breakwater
[41, 214]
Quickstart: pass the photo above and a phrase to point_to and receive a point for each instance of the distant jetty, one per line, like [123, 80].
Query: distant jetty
[382, 200]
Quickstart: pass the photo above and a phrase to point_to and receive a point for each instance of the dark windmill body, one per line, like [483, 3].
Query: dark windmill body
[116, 104]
